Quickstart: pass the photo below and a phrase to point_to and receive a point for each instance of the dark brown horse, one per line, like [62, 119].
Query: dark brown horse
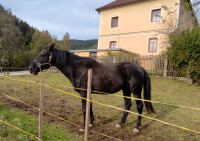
[108, 78]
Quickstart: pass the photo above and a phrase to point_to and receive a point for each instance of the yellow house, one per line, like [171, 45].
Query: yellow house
[139, 26]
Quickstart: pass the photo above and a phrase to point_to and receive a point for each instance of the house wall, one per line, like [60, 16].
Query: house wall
[135, 43]
[87, 53]
[187, 18]
[83, 54]
[134, 26]
[99, 53]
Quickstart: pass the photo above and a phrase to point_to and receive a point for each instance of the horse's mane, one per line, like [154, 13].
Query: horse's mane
[64, 57]
[59, 56]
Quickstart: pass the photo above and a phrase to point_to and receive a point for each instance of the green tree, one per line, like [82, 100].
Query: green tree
[40, 40]
[11, 36]
[65, 43]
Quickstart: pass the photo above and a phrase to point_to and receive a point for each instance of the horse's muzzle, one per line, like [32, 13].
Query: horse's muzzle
[33, 69]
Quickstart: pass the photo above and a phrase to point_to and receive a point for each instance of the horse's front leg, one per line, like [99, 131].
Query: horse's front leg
[84, 95]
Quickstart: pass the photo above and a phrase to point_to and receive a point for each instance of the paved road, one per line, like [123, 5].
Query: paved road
[16, 73]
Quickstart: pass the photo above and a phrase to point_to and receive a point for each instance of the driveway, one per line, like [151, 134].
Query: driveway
[16, 73]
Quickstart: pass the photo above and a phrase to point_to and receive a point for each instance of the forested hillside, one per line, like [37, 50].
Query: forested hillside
[15, 36]
[83, 44]
[20, 43]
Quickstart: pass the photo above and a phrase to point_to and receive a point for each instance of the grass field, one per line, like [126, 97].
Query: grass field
[29, 123]
[69, 108]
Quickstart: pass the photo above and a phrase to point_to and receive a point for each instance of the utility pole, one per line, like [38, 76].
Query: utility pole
[0, 54]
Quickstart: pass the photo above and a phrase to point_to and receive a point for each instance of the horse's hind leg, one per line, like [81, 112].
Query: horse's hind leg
[84, 95]
[139, 104]
[128, 104]
[91, 116]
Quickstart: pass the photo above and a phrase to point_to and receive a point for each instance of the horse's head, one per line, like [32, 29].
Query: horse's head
[43, 60]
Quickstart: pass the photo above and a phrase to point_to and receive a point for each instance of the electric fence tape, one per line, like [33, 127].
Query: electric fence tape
[181, 106]
[57, 116]
[184, 128]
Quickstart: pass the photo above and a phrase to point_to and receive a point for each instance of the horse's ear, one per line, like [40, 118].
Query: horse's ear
[50, 47]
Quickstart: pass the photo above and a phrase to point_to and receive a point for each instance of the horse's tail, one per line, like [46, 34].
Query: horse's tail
[147, 92]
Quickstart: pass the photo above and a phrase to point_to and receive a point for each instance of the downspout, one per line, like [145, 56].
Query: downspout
[179, 14]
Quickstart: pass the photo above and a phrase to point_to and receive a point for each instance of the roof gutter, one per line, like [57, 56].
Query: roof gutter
[114, 6]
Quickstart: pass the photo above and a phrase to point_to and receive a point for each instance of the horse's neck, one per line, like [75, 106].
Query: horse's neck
[67, 71]
[61, 59]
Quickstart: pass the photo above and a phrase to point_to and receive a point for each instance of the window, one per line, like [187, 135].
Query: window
[153, 45]
[155, 15]
[113, 44]
[114, 22]
[93, 55]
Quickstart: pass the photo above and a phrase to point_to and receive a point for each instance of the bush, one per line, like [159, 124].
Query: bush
[116, 57]
[184, 52]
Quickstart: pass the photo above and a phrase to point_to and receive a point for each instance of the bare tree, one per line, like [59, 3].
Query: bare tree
[182, 17]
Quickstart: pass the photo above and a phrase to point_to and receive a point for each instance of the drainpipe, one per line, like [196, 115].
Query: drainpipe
[0, 55]
[179, 14]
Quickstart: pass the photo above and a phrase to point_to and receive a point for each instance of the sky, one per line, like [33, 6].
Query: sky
[77, 17]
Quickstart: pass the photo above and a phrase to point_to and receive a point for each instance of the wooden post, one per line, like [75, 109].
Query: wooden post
[165, 66]
[0, 53]
[144, 59]
[114, 59]
[41, 101]
[88, 104]
[1, 70]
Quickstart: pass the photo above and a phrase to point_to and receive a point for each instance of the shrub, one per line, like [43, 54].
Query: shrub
[115, 57]
[184, 52]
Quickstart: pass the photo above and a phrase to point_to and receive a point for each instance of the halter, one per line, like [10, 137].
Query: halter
[41, 64]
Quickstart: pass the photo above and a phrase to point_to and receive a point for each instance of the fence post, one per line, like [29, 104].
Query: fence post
[88, 104]
[41, 101]
[1, 70]
[165, 66]
[114, 59]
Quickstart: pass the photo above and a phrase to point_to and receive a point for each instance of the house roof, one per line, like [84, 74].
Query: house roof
[117, 3]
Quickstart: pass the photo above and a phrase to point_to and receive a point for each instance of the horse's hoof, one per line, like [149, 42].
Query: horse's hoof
[81, 130]
[136, 130]
[91, 125]
[118, 126]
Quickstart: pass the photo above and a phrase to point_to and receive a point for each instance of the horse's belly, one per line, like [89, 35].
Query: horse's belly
[109, 86]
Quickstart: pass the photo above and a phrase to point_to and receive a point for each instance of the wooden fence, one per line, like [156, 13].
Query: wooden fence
[154, 64]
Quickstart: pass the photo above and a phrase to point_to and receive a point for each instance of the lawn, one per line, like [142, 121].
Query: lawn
[29, 124]
[69, 108]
